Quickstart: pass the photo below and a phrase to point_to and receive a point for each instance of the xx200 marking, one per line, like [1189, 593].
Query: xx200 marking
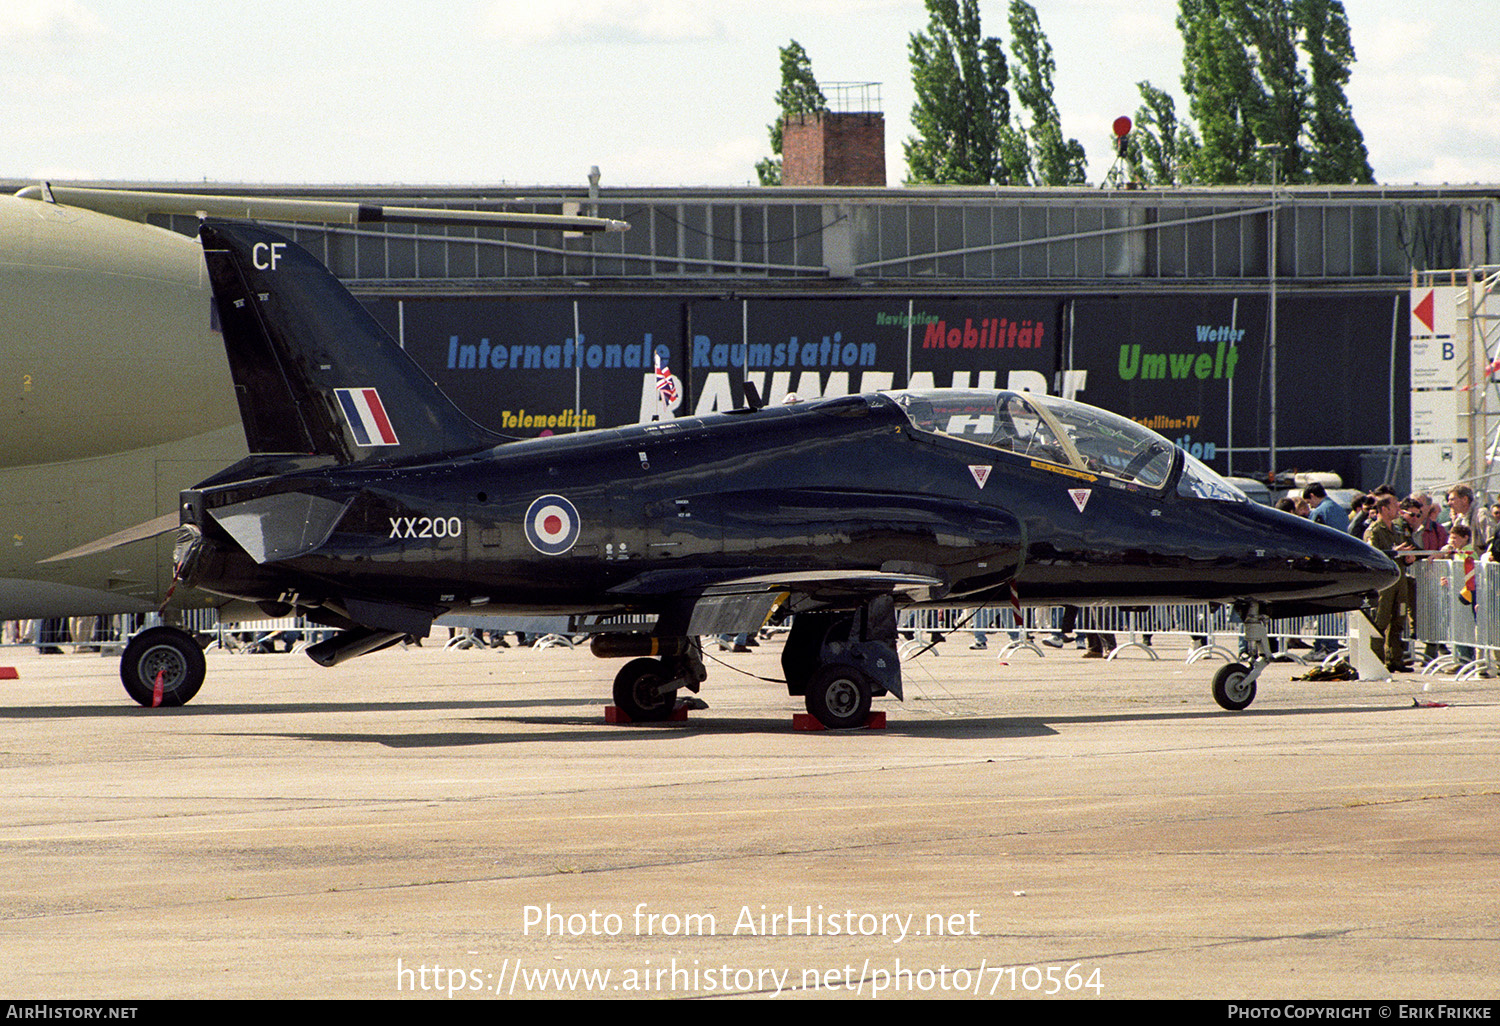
[426, 527]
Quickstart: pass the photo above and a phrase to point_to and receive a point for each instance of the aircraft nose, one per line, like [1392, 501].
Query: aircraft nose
[1326, 562]
[1361, 567]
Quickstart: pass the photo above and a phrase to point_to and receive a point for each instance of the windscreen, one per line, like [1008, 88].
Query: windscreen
[1111, 444]
[1046, 428]
[1201, 482]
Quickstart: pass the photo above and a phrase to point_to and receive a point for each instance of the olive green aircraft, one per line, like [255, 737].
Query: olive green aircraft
[115, 393]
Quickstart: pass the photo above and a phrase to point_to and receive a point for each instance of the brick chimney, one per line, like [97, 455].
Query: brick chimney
[839, 146]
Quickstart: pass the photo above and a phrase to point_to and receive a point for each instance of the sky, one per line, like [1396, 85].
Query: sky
[653, 92]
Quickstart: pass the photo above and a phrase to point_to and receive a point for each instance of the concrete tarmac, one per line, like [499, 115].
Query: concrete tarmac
[420, 823]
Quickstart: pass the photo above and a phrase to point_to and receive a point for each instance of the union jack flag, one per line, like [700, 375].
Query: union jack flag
[666, 387]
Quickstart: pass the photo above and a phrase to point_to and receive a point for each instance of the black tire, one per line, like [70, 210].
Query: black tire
[638, 691]
[169, 653]
[839, 696]
[1230, 689]
[803, 650]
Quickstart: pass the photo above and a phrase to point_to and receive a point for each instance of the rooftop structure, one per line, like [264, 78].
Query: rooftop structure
[942, 239]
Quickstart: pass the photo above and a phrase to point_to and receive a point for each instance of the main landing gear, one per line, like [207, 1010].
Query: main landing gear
[646, 689]
[162, 666]
[837, 661]
[840, 695]
[1234, 685]
[840, 661]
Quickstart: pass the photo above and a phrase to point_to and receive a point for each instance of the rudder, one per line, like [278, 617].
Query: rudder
[314, 372]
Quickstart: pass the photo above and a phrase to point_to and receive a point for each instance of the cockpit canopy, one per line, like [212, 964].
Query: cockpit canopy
[1069, 434]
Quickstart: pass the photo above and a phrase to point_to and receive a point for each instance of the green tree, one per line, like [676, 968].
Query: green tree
[1265, 83]
[1053, 160]
[1336, 146]
[799, 94]
[1161, 148]
[962, 112]
[1223, 95]
[1269, 31]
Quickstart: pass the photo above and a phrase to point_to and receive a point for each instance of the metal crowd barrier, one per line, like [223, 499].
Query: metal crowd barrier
[106, 634]
[1206, 631]
[1456, 614]
[109, 634]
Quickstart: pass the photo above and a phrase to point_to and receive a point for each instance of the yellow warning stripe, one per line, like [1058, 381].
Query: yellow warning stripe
[1065, 471]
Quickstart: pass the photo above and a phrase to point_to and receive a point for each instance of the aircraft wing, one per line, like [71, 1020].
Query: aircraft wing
[729, 607]
[836, 584]
[135, 204]
[742, 603]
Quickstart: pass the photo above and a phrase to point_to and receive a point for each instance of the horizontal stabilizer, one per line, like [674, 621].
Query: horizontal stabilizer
[140, 532]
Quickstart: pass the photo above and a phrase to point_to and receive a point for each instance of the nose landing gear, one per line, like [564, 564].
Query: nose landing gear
[1234, 685]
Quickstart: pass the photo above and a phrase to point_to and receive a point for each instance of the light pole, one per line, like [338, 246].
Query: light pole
[1275, 151]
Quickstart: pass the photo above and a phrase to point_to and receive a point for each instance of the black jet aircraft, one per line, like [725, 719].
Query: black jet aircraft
[370, 504]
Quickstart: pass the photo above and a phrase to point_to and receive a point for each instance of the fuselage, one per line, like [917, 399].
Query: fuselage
[625, 519]
[107, 325]
[119, 396]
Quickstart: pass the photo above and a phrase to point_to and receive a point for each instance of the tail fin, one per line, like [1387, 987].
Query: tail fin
[313, 371]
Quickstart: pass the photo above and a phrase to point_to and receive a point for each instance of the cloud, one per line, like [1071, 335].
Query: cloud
[596, 21]
[48, 22]
[1391, 44]
[669, 162]
[1434, 122]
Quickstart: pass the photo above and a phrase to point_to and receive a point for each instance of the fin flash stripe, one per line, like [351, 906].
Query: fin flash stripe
[366, 416]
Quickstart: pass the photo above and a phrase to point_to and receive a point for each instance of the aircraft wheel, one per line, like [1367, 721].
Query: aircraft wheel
[168, 653]
[638, 691]
[1231, 689]
[839, 696]
[801, 655]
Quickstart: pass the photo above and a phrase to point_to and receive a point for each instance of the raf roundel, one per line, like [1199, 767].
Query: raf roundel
[552, 525]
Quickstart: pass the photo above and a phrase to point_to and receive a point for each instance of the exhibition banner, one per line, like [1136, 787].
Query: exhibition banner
[1194, 367]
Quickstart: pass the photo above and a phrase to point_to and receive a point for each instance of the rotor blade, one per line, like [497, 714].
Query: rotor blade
[140, 532]
[138, 203]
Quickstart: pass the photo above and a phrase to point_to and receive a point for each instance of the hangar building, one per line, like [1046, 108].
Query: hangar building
[1259, 328]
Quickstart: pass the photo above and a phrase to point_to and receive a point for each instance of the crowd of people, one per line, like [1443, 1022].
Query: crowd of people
[1408, 529]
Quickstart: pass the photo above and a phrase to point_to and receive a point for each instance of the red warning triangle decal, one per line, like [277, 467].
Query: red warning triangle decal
[981, 474]
[1422, 311]
[1080, 497]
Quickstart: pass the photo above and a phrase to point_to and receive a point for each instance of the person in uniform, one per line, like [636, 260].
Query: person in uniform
[1390, 614]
